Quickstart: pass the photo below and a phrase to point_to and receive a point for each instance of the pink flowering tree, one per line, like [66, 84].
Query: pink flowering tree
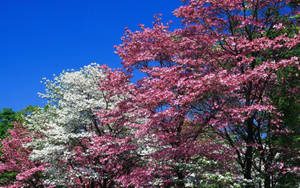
[158, 157]
[112, 151]
[15, 160]
[219, 71]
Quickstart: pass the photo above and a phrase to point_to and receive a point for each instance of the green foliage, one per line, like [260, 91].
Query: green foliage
[7, 117]
[177, 38]
[289, 105]
[8, 178]
[286, 97]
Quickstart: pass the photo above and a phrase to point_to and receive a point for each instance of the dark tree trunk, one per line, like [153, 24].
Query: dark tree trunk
[249, 151]
[180, 176]
[267, 181]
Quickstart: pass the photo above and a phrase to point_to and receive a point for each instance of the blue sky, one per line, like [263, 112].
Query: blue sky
[42, 38]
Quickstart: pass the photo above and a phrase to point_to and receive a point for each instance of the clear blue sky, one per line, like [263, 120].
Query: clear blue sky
[41, 37]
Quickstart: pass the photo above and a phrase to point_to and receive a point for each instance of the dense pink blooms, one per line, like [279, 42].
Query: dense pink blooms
[15, 158]
[219, 73]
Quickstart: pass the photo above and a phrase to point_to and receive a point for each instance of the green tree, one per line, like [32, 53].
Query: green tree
[7, 117]
[286, 98]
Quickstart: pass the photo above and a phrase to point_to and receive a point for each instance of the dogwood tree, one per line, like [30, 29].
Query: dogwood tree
[219, 70]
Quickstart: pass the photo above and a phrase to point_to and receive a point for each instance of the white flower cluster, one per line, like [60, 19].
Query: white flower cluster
[73, 98]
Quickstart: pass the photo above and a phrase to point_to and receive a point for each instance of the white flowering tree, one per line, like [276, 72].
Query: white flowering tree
[78, 147]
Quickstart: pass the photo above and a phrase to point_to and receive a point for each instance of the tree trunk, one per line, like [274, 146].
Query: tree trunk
[248, 164]
[180, 176]
[267, 181]
[249, 151]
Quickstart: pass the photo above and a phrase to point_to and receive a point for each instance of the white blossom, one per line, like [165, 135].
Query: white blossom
[73, 98]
